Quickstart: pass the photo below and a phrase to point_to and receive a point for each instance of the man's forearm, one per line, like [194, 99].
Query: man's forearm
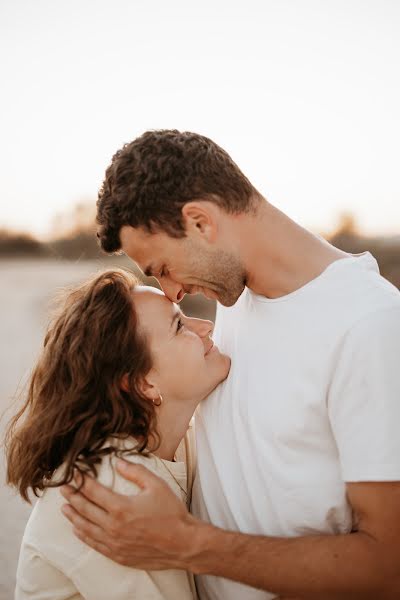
[312, 567]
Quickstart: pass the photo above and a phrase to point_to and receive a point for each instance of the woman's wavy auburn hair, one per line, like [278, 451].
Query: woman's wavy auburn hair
[75, 402]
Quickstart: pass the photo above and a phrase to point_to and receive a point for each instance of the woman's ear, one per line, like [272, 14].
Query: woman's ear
[125, 383]
[148, 387]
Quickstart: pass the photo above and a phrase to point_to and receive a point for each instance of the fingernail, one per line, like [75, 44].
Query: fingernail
[64, 491]
[77, 477]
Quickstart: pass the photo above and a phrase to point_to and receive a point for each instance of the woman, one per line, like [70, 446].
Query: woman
[121, 373]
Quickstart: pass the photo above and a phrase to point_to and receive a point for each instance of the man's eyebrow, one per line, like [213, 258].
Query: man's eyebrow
[148, 271]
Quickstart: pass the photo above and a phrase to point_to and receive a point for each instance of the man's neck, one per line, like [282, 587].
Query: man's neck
[280, 256]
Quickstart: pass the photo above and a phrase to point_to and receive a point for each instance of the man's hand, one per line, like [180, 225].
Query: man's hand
[150, 530]
[153, 530]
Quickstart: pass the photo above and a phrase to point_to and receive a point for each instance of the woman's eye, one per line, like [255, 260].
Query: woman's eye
[179, 325]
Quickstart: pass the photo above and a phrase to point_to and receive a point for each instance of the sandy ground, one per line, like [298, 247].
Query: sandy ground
[25, 291]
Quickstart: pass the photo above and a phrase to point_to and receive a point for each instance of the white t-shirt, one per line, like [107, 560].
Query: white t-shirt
[312, 401]
[55, 565]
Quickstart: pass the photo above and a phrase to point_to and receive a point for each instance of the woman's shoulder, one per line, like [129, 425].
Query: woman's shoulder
[173, 473]
[47, 515]
[107, 473]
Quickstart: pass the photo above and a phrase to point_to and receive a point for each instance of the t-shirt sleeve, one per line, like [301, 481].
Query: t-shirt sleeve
[364, 399]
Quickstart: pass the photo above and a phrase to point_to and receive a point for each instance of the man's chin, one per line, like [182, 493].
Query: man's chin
[229, 299]
[226, 302]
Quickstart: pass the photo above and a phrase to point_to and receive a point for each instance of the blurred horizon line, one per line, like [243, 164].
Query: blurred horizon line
[81, 217]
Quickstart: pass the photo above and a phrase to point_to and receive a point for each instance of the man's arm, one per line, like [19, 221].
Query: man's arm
[153, 530]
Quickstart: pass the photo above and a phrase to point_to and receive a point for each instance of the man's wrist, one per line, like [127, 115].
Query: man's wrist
[203, 541]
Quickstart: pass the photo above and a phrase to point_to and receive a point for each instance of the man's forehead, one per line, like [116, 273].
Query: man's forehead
[146, 248]
[138, 244]
[133, 237]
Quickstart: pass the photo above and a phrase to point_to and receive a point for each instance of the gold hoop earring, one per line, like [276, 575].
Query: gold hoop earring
[160, 399]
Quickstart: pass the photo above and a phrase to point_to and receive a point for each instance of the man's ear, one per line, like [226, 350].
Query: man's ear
[201, 218]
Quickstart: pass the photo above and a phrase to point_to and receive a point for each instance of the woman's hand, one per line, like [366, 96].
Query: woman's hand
[151, 530]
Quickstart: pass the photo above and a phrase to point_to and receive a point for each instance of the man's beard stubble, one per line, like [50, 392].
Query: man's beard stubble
[220, 272]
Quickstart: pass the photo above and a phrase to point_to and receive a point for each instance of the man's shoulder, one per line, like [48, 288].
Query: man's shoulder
[373, 325]
[372, 301]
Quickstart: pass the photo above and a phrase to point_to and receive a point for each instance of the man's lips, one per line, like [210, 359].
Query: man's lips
[195, 289]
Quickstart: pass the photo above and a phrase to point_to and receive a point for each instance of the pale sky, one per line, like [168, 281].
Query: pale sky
[304, 95]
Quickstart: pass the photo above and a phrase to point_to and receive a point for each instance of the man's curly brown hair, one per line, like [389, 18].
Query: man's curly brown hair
[150, 179]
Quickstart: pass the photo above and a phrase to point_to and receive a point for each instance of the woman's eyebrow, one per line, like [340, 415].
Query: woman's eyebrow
[176, 316]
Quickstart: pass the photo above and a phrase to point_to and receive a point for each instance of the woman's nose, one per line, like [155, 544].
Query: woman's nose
[202, 327]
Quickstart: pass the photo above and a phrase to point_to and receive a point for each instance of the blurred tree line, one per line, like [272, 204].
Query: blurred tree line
[73, 237]
[385, 249]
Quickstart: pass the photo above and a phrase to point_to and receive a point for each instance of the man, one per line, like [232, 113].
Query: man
[297, 490]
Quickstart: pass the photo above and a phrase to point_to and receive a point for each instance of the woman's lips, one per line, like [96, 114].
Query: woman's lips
[210, 348]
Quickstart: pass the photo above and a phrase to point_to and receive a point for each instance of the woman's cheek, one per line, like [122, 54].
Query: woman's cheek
[195, 357]
[189, 358]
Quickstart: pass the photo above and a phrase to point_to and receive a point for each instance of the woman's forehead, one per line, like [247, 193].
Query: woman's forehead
[148, 288]
[152, 305]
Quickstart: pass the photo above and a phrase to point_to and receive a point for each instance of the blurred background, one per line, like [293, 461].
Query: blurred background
[303, 94]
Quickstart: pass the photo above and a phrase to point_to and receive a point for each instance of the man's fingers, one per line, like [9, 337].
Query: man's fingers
[95, 544]
[137, 474]
[99, 494]
[85, 507]
[85, 527]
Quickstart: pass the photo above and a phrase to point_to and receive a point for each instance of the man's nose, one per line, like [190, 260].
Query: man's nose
[173, 290]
